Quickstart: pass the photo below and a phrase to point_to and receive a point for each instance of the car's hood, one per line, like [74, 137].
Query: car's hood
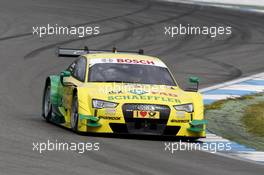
[137, 93]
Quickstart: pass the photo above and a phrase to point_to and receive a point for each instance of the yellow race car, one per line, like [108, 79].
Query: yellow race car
[122, 92]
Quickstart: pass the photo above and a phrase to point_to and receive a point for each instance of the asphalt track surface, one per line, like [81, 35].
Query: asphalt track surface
[127, 24]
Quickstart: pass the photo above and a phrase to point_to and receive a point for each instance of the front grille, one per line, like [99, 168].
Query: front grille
[146, 126]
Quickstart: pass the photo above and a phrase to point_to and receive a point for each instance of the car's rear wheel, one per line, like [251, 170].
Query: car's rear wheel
[46, 105]
[74, 114]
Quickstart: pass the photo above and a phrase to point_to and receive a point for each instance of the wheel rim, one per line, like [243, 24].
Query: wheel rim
[74, 115]
[47, 104]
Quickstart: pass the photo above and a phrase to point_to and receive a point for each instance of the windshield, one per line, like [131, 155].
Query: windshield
[130, 73]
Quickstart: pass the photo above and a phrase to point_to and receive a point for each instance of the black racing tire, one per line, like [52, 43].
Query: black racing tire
[74, 114]
[46, 103]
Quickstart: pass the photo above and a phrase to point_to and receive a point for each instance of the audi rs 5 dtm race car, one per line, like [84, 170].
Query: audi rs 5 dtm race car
[121, 92]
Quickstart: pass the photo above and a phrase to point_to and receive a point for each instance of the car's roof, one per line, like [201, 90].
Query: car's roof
[120, 55]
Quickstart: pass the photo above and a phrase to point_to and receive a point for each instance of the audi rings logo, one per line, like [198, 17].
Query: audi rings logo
[146, 108]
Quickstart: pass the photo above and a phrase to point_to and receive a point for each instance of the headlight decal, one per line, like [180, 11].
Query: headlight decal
[99, 104]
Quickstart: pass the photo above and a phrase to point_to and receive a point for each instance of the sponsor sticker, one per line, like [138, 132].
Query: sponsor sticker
[146, 114]
[164, 94]
[143, 98]
[138, 91]
[128, 61]
[109, 118]
[132, 61]
[180, 121]
[115, 92]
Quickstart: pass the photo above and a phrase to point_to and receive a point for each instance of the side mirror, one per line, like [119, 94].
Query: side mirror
[64, 74]
[194, 80]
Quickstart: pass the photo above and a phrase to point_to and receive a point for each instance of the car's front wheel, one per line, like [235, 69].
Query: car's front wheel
[46, 105]
[74, 114]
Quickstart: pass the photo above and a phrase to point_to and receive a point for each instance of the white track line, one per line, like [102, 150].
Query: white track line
[219, 97]
[218, 86]
[252, 155]
[244, 87]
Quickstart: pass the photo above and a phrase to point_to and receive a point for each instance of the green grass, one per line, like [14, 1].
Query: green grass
[218, 104]
[253, 119]
[240, 120]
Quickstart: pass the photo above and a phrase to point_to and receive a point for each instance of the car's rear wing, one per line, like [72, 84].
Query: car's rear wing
[67, 52]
